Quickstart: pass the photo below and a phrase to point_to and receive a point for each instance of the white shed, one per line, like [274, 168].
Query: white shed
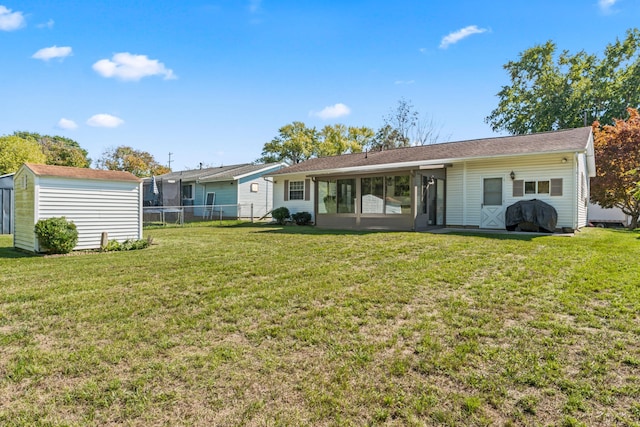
[96, 201]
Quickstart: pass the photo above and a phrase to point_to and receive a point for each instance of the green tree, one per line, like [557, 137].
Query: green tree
[14, 151]
[551, 91]
[124, 158]
[59, 150]
[295, 143]
[388, 138]
[617, 152]
[339, 139]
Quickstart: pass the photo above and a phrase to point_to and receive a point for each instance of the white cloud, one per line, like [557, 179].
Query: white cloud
[125, 66]
[49, 24]
[66, 124]
[332, 111]
[104, 121]
[9, 20]
[48, 53]
[456, 36]
[606, 5]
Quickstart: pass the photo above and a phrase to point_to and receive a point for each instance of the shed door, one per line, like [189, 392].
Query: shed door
[492, 210]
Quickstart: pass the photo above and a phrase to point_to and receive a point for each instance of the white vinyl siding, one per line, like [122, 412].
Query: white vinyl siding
[582, 201]
[464, 185]
[94, 206]
[293, 205]
[24, 236]
[262, 199]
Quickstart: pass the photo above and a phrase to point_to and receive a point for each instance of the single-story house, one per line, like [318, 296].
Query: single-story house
[227, 191]
[96, 201]
[6, 198]
[456, 184]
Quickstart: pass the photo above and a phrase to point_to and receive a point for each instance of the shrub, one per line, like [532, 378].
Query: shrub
[301, 218]
[127, 245]
[57, 235]
[280, 215]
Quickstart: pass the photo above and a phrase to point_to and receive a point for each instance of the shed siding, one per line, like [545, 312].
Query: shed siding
[24, 236]
[294, 206]
[94, 207]
[583, 191]
[464, 186]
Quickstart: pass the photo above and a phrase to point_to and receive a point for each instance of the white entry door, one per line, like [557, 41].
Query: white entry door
[492, 211]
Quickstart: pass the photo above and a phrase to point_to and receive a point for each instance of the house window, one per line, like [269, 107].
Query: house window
[254, 187]
[346, 194]
[187, 191]
[296, 190]
[398, 195]
[543, 187]
[552, 187]
[530, 187]
[327, 197]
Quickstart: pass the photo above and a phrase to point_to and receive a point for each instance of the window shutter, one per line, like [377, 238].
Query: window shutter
[518, 188]
[307, 189]
[286, 190]
[556, 187]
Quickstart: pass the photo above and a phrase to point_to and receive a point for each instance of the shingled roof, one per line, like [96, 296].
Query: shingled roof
[81, 173]
[221, 173]
[571, 140]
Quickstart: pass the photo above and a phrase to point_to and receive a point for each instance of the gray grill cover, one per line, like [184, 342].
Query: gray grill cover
[527, 213]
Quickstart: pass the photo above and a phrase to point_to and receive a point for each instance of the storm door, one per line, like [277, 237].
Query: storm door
[492, 209]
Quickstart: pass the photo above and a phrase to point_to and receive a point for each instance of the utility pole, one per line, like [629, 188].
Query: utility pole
[170, 154]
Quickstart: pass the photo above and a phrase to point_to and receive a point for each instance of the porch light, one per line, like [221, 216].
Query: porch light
[512, 175]
[564, 160]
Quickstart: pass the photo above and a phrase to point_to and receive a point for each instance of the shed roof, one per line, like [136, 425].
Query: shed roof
[570, 140]
[81, 173]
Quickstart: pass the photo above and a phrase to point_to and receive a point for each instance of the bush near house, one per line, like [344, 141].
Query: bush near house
[57, 235]
[301, 218]
[281, 215]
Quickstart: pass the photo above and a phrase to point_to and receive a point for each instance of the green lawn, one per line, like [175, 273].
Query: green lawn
[266, 326]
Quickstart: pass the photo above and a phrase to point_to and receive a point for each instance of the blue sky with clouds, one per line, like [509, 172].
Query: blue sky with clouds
[212, 81]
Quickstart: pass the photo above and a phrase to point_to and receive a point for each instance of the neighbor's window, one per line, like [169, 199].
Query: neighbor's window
[296, 190]
[254, 187]
[327, 197]
[187, 191]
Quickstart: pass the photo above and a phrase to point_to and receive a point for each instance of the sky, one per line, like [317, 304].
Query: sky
[211, 81]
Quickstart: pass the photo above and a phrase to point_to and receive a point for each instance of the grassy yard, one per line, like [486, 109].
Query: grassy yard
[267, 326]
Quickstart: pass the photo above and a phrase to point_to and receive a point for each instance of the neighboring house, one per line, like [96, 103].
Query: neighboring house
[607, 217]
[456, 184]
[96, 201]
[6, 203]
[229, 191]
